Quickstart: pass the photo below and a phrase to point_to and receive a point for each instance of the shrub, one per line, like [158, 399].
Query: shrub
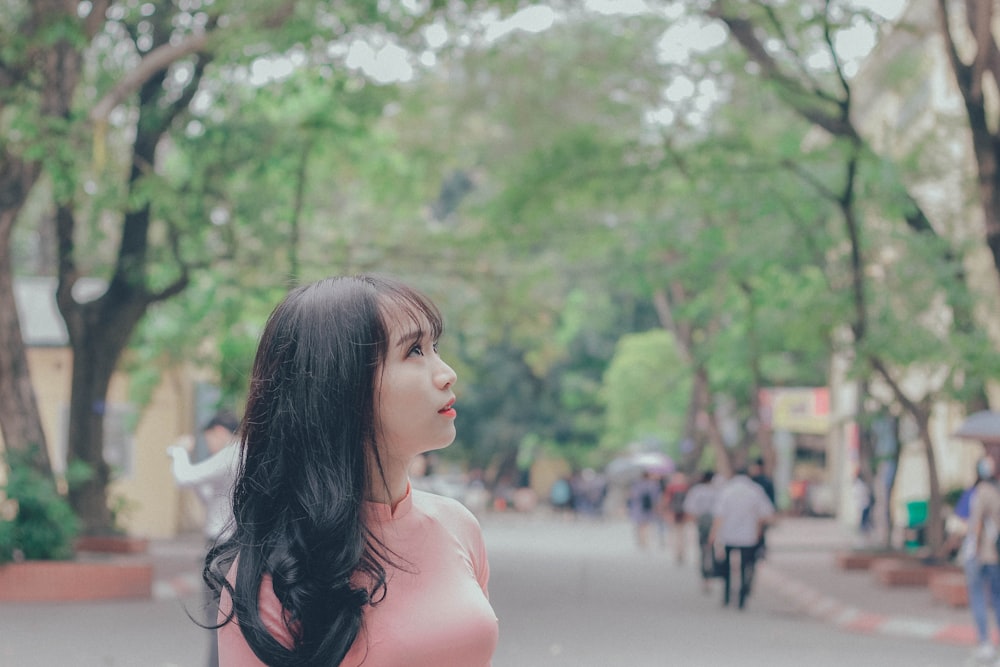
[37, 522]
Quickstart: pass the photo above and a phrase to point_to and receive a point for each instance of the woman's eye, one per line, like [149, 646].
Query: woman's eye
[418, 349]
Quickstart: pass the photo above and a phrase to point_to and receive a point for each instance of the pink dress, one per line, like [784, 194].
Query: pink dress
[436, 613]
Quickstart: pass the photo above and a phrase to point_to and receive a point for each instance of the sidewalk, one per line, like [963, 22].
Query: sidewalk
[801, 566]
[177, 565]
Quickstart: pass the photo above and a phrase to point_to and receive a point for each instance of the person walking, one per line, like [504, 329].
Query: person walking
[741, 512]
[758, 473]
[644, 507]
[981, 560]
[862, 494]
[673, 508]
[335, 558]
[212, 480]
[699, 502]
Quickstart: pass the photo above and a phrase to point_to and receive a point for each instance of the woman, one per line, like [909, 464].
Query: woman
[977, 579]
[334, 559]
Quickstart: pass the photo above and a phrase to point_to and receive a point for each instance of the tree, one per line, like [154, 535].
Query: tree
[39, 74]
[648, 360]
[974, 76]
[149, 63]
[825, 99]
[597, 192]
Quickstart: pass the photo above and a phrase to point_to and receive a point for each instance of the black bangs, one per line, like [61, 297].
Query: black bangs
[403, 303]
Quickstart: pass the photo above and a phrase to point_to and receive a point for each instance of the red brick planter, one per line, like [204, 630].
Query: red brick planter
[35, 581]
[906, 571]
[949, 588]
[863, 560]
[112, 544]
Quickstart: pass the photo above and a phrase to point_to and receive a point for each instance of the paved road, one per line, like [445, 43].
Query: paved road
[579, 594]
[573, 594]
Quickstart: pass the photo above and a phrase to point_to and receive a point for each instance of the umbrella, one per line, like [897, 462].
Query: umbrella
[629, 467]
[983, 426]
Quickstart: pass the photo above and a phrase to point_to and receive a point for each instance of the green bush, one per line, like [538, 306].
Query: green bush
[37, 522]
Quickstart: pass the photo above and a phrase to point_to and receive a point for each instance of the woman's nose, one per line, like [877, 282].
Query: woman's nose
[446, 375]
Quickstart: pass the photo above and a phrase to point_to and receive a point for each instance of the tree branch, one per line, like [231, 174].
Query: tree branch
[962, 71]
[153, 62]
[95, 19]
[799, 97]
[845, 102]
[979, 15]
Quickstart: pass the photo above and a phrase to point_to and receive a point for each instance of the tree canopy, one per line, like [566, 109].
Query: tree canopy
[632, 231]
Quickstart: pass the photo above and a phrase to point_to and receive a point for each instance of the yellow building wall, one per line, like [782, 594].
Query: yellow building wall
[153, 501]
[50, 369]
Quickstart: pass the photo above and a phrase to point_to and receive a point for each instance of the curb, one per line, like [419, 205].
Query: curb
[853, 619]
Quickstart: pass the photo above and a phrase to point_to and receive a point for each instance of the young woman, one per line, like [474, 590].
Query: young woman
[334, 559]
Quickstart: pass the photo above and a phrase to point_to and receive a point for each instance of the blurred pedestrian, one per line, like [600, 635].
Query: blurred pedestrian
[643, 506]
[335, 558]
[561, 496]
[589, 491]
[758, 473]
[673, 502]
[212, 480]
[741, 512]
[862, 493]
[980, 558]
[699, 502]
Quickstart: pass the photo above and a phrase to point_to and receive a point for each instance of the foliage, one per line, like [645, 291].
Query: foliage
[37, 521]
[544, 189]
[645, 390]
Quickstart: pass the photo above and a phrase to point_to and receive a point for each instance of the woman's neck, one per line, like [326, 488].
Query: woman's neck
[390, 486]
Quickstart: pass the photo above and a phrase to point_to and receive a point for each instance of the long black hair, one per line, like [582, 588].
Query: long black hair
[308, 458]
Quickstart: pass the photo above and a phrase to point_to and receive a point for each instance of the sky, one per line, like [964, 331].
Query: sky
[385, 62]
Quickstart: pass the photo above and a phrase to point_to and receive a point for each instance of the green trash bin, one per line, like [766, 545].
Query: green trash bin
[916, 523]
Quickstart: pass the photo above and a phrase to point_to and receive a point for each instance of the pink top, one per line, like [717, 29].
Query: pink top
[435, 614]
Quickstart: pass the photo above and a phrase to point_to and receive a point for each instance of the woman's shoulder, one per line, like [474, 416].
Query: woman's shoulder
[448, 511]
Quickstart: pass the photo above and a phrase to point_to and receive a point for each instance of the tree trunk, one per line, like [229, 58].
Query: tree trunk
[935, 520]
[710, 425]
[700, 417]
[100, 331]
[20, 421]
[755, 429]
[691, 457]
[89, 498]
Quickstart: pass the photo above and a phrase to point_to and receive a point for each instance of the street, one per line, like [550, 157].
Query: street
[568, 593]
[579, 594]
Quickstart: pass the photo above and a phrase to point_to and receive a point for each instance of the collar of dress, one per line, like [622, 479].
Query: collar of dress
[385, 513]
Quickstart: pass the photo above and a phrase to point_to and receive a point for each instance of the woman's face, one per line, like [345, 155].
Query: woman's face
[414, 410]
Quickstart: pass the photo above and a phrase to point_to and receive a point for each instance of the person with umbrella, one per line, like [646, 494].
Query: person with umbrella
[981, 505]
[644, 498]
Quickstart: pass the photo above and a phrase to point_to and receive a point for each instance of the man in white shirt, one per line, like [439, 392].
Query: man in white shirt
[741, 511]
[212, 479]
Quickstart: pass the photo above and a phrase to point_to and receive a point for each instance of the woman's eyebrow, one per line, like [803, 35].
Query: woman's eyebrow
[410, 338]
